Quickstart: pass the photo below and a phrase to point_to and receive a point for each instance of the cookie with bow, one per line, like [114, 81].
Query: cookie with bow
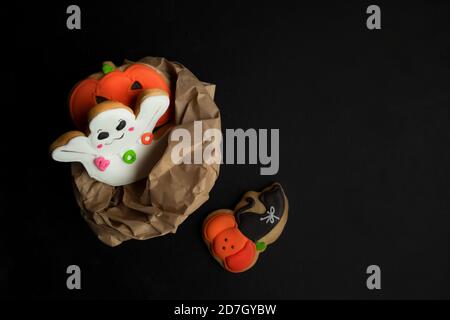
[236, 238]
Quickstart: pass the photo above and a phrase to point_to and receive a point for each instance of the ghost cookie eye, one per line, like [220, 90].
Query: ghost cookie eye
[103, 135]
[122, 124]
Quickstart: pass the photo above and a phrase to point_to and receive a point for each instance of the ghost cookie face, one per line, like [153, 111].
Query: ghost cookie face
[119, 147]
[113, 128]
[236, 238]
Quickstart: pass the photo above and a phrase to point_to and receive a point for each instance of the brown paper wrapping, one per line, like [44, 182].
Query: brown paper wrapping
[158, 205]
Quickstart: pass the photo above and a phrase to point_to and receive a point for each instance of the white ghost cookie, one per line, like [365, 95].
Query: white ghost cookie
[119, 146]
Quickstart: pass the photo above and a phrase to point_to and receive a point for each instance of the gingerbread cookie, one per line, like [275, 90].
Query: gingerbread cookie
[236, 238]
[118, 148]
[122, 84]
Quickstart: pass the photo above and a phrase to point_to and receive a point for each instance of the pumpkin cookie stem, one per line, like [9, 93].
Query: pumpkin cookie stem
[108, 66]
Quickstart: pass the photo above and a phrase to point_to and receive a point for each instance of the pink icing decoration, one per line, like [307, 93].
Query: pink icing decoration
[100, 146]
[131, 129]
[101, 163]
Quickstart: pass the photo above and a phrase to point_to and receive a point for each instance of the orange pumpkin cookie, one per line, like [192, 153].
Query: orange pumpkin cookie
[236, 238]
[121, 84]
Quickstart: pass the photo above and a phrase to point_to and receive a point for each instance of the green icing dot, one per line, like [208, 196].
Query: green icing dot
[107, 68]
[260, 246]
[129, 157]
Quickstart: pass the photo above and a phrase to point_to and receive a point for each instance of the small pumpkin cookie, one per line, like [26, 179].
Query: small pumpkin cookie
[236, 238]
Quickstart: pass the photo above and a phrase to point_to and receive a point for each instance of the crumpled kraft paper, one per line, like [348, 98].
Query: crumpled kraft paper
[158, 205]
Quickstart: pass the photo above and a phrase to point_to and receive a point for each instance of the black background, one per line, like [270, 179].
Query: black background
[364, 147]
